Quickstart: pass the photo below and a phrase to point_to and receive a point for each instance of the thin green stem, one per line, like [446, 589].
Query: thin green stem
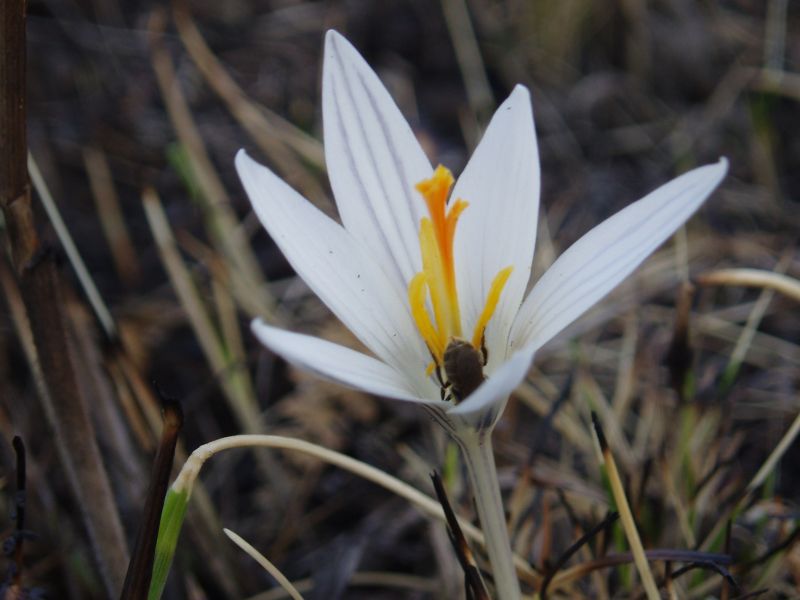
[479, 457]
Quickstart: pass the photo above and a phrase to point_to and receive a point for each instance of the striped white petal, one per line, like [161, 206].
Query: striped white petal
[338, 363]
[373, 160]
[498, 228]
[602, 258]
[337, 268]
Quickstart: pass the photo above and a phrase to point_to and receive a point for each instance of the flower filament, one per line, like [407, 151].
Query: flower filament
[437, 280]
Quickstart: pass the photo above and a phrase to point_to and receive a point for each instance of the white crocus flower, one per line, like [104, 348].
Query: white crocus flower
[431, 279]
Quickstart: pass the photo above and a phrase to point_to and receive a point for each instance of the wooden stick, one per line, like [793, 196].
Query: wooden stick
[64, 409]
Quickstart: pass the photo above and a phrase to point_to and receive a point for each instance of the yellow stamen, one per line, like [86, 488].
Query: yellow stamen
[430, 369]
[436, 191]
[437, 280]
[436, 235]
[456, 208]
[443, 297]
[492, 298]
[416, 299]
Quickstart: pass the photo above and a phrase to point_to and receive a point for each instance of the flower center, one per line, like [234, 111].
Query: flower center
[437, 282]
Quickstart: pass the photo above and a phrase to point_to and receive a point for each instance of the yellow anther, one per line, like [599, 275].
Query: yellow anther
[444, 298]
[492, 298]
[436, 190]
[436, 235]
[437, 280]
[430, 369]
[416, 298]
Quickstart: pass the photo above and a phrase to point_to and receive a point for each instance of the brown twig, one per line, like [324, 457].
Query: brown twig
[472, 575]
[64, 408]
[140, 569]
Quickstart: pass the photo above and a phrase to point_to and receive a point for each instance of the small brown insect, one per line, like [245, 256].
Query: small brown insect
[463, 366]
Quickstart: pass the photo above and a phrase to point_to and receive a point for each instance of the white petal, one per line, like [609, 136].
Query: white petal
[484, 407]
[373, 160]
[336, 362]
[498, 228]
[337, 268]
[602, 258]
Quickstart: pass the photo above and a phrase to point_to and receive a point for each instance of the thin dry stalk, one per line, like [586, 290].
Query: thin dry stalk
[470, 61]
[677, 503]
[137, 580]
[587, 385]
[472, 574]
[774, 81]
[64, 409]
[270, 131]
[233, 377]
[626, 516]
[224, 229]
[262, 560]
[625, 384]
[754, 319]
[779, 282]
[75, 259]
[110, 214]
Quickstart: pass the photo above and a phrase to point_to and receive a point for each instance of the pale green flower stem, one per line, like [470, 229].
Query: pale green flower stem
[476, 447]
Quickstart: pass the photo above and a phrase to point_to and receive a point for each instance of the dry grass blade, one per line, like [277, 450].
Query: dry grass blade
[774, 81]
[265, 563]
[779, 282]
[233, 376]
[228, 236]
[470, 61]
[753, 320]
[626, 516]
[626, 379]
[429, 506]
[22, 327]
[110, 214]
[777, 453]
[271, 132]
[681, 511]
[64, 236]
[589, 388]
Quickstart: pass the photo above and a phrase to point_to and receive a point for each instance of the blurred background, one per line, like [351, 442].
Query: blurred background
[135, 112]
